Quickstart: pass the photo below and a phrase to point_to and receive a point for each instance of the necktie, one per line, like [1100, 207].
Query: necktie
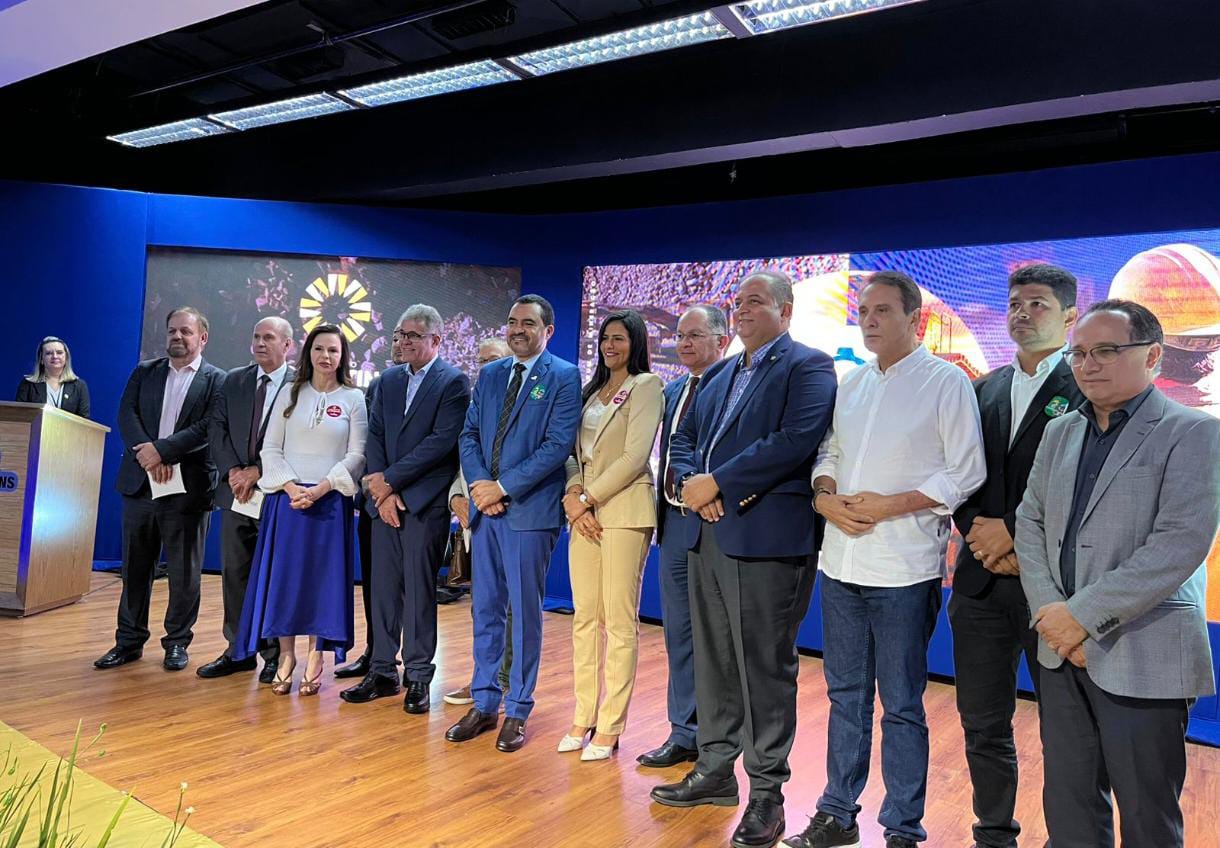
[671, 482]
[256, 420]
[510, 400]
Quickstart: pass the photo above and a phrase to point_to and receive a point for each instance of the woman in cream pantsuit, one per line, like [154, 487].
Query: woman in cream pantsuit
[611, 504]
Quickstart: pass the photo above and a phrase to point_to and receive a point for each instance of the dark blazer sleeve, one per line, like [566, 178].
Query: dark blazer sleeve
[219, 439]
[963, 519]
[82, 398]
[130, 427]
[374, 445]
[26, 392]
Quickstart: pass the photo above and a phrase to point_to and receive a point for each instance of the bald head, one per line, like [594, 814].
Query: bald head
[271, 342]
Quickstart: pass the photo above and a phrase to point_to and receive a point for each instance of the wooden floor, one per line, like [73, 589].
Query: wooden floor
[319, 772]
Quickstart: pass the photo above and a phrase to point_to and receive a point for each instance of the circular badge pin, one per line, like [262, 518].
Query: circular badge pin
[1058, 406]
[334, 410]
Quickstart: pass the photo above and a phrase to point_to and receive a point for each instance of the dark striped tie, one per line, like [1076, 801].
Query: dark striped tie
[506, 411]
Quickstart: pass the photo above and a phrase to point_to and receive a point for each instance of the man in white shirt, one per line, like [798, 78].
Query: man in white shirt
[905, 451]
[163, 420]
[235, 439]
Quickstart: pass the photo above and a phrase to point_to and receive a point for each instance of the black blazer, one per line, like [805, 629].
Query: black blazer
[140, 420]
[229, 429]
[75, 397]
[1007, 468]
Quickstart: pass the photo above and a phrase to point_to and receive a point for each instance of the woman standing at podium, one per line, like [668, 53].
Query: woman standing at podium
[53, 381]
[313, 453]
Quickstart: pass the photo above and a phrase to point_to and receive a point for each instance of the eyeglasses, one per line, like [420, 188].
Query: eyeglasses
[1102, 354]
[694, 337]
[410, 337]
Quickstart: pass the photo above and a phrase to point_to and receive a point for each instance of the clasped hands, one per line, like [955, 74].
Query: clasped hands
[150, 460]
[242, 481]
[991, 545]
[854, 514]
[580, 514]
[701, 494]
[1061, 632]
[487, 496]
[301, 497]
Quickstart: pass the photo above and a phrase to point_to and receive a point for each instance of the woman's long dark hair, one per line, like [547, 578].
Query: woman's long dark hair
[305, 363]
[637, 362]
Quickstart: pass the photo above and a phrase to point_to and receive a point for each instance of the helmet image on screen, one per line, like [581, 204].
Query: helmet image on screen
[1180, 283]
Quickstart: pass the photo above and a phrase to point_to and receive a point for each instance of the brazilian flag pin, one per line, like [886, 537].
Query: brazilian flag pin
[1058, 406]
[540, 390]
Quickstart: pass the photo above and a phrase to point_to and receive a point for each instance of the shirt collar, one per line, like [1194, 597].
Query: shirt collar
[1118, 416]
[1044, 367]
[277, 376]
[911, 360]
[760, 354]
[424, 370]
[529, 363]
[193, 366]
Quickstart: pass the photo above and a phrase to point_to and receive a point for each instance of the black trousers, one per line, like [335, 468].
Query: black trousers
[744, 618]
[364, 532]
[238, 538]
[990, 632]
[404, 610]
[1092, 741]
[148, 526]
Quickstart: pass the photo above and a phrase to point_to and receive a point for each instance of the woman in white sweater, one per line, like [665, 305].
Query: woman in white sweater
[312, 456]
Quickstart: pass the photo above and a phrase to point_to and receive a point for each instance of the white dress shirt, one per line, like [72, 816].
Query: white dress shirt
[277, 379]
[1026, 386]
[415, 379]
[914, 428]
[177, 384]
[322, 439]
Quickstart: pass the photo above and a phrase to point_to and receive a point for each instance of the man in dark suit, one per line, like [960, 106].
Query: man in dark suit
[520, 429]
[988, 610]
[163, 421]
[417, 413]
[742, 458]
[364, 534]
[703, 334]
[235, 438]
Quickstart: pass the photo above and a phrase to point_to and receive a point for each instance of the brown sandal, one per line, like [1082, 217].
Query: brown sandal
[281, 686]
[310, 686]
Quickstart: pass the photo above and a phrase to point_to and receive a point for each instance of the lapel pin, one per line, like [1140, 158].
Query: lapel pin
[1057, 406]
[774, 357]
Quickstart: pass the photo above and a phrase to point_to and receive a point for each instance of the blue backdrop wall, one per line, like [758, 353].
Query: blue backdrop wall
[74, 262]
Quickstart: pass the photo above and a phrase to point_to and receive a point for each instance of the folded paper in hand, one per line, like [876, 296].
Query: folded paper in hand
[251, 508]
[172, 487]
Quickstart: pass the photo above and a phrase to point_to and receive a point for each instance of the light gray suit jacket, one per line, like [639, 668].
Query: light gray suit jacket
[1141, 550]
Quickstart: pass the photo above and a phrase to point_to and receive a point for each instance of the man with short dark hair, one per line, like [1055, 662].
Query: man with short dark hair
[235, 439]
[988, 611]
[520, 429]
[741, 458]
[702, 336]
[905, 451]
[168, 482]
[1122, 506]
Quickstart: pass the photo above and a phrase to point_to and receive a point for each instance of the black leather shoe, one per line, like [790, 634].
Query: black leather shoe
[669, 754]
[117, 656]
[372, 687]
[224, 665]
[357, 669]
[696, 789]
[761, 826]
[471, 725]
[267, 675]
[512, 735]
[825, 832]
[447, 595]
[419, 698]
[175, 658]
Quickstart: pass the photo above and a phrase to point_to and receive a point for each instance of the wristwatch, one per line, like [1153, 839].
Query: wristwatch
[583, 498]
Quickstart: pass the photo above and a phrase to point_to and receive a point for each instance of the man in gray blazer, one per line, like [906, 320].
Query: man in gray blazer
[1112, 538]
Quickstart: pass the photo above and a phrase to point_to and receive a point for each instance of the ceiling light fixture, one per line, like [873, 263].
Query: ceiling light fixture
[763, 16]
[430, 83]
[165, 133]
[282, 111]
[653, 38]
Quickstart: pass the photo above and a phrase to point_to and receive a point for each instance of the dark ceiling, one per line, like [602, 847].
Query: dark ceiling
[936, 89]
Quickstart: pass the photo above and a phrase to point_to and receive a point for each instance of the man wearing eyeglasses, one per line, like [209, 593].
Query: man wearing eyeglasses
[1112, 536]
[416, 415]
[702, 338]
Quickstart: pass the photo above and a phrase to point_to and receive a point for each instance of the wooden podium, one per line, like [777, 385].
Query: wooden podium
[50, 476]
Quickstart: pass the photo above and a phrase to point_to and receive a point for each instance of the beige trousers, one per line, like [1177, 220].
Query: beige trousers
[606, 579]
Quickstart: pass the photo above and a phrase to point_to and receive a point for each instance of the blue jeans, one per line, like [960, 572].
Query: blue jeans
[876, 638]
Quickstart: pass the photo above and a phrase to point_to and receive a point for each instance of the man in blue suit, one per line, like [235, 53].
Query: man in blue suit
[520, 428]
[703, 334]
[416, 415]
[743, 458]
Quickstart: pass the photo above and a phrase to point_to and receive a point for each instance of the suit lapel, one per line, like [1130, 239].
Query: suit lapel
[760, 375]
[155, 398]
[532, 379]
[1129, 441]
[429, 385]
[1054, 385]
[999, 407]
[241, 413]
[193, 394]
[628, 384]
[1068, 459]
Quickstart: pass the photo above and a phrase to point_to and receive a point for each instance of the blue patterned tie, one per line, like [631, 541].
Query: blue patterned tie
[506, 411]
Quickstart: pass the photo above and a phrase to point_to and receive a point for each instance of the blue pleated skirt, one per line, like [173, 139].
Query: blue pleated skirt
[302, 576]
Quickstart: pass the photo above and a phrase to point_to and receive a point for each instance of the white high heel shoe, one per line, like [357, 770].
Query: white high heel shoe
[594, 752]
[572, 743]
